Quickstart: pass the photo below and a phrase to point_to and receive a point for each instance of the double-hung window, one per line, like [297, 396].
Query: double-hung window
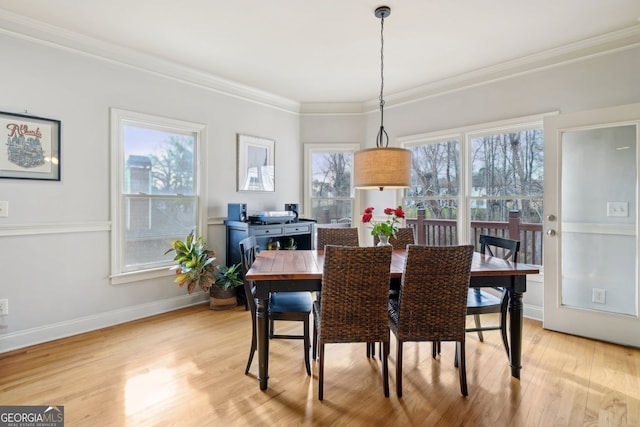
[329, 183]
[484, 179]
[156, 186]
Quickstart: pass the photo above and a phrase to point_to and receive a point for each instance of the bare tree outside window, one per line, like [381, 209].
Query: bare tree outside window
[331, 192]
[172, 167]
[507, 174]
[504, 174]
[435, 170]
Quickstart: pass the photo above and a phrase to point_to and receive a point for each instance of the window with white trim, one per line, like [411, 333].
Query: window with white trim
[329, 192]
[468, 180]
[156, 190]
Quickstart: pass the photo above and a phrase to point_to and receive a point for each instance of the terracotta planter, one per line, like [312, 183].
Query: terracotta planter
[222, 299]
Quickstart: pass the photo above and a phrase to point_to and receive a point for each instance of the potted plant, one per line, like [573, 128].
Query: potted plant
[223, 291]
[384, 229]
[292, 244]
[194, 266]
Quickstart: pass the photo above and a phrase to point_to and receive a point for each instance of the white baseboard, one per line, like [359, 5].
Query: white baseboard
[25, 338]
[533, 312]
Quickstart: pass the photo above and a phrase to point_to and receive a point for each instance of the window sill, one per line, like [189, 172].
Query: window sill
[137, 276]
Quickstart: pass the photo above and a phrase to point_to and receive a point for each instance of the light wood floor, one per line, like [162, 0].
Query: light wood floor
[186, 368]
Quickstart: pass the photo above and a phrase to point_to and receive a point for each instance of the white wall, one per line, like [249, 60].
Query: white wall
[54, 246]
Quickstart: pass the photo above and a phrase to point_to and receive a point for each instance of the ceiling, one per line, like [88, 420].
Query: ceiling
[328, 51]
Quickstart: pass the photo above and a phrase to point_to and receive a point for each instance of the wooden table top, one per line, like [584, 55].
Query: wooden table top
[308, 264]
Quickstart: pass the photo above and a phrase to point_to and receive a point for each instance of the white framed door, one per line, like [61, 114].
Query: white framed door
[591, 224]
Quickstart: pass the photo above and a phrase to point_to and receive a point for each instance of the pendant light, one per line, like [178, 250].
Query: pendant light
[382, 167]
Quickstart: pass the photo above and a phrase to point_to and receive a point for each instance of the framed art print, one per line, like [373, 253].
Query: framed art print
[31, 148]
[256, 165]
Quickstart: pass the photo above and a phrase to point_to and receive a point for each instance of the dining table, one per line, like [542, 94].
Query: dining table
[301, 270]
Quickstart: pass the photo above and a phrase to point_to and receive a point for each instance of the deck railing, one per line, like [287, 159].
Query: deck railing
[442, 232]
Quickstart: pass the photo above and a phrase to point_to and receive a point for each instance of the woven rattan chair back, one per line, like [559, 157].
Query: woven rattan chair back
[337, 236]
[355, 295]
[432, 304]
[404, 237]
[433, 293]
[355, 286]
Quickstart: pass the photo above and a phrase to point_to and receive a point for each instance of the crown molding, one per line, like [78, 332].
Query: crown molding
[331, 108]
[46, 34]
[615, 41]
[43, 33]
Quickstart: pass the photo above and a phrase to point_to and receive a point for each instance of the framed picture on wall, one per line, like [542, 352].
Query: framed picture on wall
[256, 163]
[30, 147]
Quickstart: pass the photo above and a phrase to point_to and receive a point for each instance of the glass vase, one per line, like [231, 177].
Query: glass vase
[384, 241]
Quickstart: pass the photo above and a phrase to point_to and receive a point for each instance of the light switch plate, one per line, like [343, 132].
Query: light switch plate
[617, 209]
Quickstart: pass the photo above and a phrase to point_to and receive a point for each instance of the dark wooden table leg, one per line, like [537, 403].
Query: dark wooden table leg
[515, 327]
[262, 314]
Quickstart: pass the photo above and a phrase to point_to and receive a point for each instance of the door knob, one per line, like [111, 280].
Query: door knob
[551, 232]
[551, 217]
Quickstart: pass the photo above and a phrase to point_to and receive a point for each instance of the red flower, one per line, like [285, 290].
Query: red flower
[366, 217]
[399, 212]
[368, 210]
[388, 211]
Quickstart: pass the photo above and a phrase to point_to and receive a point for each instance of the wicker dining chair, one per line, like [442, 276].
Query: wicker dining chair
[336, 236]
[340, 236]
[289, 306]
[404, 237]
[480, 301]
[355, 288]
[432, 305]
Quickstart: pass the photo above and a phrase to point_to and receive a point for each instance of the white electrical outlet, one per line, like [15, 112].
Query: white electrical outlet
[4, 209]
[4, 307]
[598, 296]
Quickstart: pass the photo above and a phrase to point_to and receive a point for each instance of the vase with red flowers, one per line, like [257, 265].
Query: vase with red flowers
[384, 229]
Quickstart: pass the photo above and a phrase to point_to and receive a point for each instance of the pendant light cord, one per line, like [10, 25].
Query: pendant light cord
[382, 140]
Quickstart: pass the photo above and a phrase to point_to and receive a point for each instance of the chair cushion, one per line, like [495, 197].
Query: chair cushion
[394, 308]
[479, 298]
[316, 308]
[281, 302]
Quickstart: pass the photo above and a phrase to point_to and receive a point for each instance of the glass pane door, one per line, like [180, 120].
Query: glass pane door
[590, 224]
[598, 205]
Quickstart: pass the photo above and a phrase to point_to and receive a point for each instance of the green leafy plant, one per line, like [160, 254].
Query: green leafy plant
[194, 263]
[228, 276]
